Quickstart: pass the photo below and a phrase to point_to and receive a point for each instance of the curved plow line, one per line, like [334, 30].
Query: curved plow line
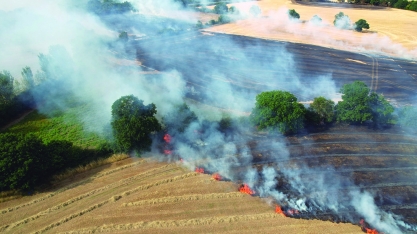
[176, 223]
[10, 209]
[334, 155]
[352, 142]
[114, 199]
[363, 134]
[78, 198]
[68, 218]
[193, 197]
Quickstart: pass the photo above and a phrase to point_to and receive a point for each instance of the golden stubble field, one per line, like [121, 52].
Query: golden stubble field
[142, 196]
[392, 31]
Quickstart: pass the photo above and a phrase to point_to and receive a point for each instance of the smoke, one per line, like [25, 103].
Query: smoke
[81, 50]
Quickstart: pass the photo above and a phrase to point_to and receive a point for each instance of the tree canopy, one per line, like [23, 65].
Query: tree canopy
[221, 8]
[293, 14]
[359, 105]
[354, 105]
[342, 21]
[255, 10]
[361, 24]
[6, 87]
[132, 124]
[407, 117]
[324, 108]
[278, 110]
[179, 118]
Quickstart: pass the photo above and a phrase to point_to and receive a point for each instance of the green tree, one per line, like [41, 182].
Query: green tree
[199, 25]
[316, 19]
[179, 118]
[221, 8]
[278, 110]
[224, 19]
[382, 110]
[123, 36]
[342, 21]
[6, 87]
[324, 108]
[255, 10]
[401, 4]
[354, 107]
[132, 124]
[359, 105]
[407, 117]
[233, 10]
[293, 14]
[27, 76]
[361, 24]
[23, 161]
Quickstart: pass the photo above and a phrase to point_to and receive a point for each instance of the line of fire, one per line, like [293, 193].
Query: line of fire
[167, 149]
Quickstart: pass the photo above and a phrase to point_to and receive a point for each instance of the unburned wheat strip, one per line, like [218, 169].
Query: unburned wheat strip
[175, 223]
[68, 218]
[115, 198]
[191, 197]
[78, 198]
[10, 209]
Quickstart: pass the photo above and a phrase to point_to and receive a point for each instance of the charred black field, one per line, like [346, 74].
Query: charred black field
[382, 162]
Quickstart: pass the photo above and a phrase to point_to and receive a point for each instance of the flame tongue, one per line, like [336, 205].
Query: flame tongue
[216, 176]
[368, 230]
[245, 189]
[199, 170]
[279, 210]
[167, 138]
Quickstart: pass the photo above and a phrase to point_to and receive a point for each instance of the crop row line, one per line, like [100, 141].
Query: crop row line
[191, 197]
[10, 209]
[78, 198]
[116, 198]
[176, 223]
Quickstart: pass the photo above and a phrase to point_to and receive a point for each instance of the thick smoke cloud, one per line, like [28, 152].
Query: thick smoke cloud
[79, 46]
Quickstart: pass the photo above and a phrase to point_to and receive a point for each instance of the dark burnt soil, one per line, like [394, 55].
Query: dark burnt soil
[249, 66]
[382, 162]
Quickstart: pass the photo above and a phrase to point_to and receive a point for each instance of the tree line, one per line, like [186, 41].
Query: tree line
[400, 4]
[280, 111]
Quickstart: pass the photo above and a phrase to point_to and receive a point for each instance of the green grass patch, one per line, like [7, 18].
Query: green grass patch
[61, 126]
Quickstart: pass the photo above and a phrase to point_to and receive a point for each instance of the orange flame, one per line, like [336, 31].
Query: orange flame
[368, 230]
[216, 176]
[167, 138]
[199, 170]
[245, 189]
[278, 210]
[371, 231]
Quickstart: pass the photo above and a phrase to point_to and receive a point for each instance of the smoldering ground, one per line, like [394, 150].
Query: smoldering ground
[78, 46]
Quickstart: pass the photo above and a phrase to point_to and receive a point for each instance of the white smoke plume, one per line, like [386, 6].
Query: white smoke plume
[82, 46]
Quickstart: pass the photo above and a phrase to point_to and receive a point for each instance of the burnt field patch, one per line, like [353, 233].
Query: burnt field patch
[383, 163]
[252, 65]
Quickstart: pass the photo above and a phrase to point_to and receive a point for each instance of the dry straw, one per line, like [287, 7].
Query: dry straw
[175, 223]
[49, 195]
[82, 196]
[115, 198]
[191, 197]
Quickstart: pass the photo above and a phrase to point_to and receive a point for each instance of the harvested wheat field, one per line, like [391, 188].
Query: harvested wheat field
[392, 31]
[137, 195]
